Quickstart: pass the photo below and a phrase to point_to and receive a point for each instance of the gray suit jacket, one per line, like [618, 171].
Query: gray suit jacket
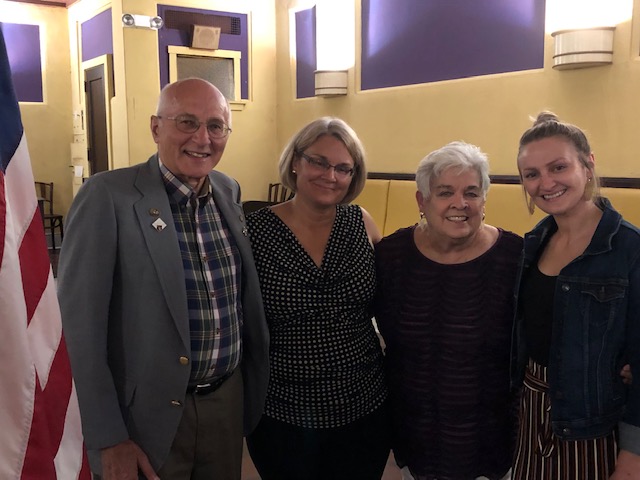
[124, 310]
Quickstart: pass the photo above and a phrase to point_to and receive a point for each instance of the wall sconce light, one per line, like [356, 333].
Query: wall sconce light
[331, 83]
[335, 46]
[583, 47]
[142, 21]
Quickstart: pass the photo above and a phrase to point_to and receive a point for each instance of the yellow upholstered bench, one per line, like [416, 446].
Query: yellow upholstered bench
[391, 203]
[402, 207]
[626, 201]
[506, 208]
[373, 199]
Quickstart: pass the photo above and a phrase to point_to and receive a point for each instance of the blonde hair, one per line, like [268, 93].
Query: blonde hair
[308, 135]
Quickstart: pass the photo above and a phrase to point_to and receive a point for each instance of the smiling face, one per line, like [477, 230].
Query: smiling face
[455, 204]
[553, 175]
[190, 156]
[320, 186]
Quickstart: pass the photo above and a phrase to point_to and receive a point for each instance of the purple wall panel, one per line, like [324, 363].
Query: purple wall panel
[97, 36]
[23, 50]
[305, 53]
[169, 36]
[418, 41]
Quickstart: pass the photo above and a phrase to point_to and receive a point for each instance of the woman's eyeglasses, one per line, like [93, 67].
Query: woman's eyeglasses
[321, 164]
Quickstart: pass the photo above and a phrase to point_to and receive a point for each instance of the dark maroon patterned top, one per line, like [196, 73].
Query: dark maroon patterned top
[447, 330]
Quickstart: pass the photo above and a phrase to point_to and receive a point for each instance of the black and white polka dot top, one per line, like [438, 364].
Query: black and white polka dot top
[326, 360]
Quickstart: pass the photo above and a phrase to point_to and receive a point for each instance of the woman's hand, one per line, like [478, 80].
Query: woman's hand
[627, 467]
[627, 376]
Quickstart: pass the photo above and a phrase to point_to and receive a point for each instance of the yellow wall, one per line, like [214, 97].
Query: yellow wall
[401, 125]
[397, 125]
[252, 145]
[47, 125]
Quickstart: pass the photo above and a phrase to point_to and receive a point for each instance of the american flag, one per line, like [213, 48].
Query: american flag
[40, 432]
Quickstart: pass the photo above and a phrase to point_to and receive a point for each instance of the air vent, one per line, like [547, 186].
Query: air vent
[180, 20]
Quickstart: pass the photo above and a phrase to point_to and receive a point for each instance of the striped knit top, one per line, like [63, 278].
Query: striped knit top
[447, 330]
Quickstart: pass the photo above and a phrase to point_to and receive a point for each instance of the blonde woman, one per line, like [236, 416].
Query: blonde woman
[325, 415]
[577, 323]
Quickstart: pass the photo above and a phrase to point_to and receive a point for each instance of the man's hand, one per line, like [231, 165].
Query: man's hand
[122, 462]
[627, 467]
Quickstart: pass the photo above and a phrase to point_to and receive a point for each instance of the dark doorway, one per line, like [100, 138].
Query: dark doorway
[98, 152]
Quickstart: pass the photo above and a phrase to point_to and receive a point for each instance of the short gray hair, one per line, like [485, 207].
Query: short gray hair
[457, 155]
[308, 135]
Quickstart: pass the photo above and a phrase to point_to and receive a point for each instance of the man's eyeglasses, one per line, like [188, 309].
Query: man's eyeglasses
[190, 124]
[321, 164]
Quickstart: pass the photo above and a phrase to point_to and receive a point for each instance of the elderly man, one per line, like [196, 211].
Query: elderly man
[161, 304]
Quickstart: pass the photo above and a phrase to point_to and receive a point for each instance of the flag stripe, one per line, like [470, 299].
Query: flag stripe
[44, 332]
[69, 460]
[3, 214]
[17, 373]
[34, 264]
[48, 419]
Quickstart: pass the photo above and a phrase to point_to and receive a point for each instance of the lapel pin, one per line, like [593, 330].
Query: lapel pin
[159, 224]
[245, 232]
[154, 212]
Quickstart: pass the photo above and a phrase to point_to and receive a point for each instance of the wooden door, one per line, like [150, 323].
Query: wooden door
[97, 135]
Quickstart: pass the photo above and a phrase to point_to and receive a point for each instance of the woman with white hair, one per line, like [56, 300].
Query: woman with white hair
[444, 306]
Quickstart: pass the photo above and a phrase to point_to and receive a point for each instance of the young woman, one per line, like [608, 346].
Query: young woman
[577, 319]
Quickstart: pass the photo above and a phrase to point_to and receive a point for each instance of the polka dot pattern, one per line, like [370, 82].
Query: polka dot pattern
[326, 361]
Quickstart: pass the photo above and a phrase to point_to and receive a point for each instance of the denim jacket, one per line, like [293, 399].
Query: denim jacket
[596, 331]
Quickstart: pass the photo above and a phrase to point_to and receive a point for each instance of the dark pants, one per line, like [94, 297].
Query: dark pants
[208, 443]
[357, 451]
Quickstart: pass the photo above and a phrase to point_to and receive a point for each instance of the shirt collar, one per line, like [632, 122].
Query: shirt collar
[600, 242]
[179, 191]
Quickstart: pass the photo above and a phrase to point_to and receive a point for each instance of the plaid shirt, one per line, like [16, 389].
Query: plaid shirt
[212, 266]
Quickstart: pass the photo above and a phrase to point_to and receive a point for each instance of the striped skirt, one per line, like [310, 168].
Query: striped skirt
[540, 455]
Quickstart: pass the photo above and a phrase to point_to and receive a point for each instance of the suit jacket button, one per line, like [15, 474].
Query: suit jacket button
[176, 403]
[184, 361]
